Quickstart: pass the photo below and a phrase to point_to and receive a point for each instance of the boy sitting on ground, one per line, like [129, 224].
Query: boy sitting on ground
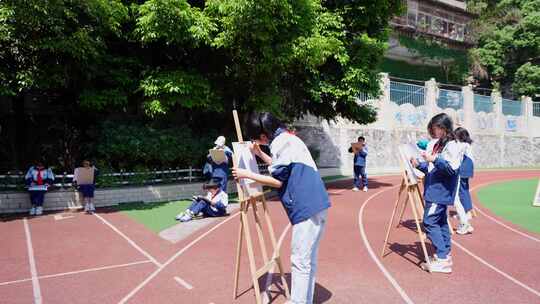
[212, 205]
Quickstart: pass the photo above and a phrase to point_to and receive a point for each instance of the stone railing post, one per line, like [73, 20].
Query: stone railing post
[527, 111]
[500, 128]
[432, 92]
[496, 98]
[468, 106]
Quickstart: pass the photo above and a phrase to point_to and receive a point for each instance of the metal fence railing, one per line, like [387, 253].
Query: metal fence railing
[14, 180]
[450, 99]
[511, 107]
[536, 108]
[402, 93]
[364, 97]
[483, 103]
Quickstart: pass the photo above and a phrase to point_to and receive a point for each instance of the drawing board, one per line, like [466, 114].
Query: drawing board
[406, 152]
[217, 155]
[246, 160]
[84, 176]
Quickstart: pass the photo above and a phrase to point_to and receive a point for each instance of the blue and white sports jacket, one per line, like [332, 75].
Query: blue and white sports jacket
[47, 176]
[303, 193]
[360, 157]
[441, 180]
[467, 165]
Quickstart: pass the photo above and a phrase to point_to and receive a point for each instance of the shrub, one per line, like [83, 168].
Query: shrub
[130, 145]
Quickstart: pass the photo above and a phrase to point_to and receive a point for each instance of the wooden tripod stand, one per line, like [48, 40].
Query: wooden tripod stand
[248, 200]
[413, 198]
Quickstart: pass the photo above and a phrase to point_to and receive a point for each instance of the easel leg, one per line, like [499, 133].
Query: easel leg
[392, 217]
[238, 255]
[275, 254]
[251, 256]
[418, 227]
[420, 200]
[262, 243]
[402, 213]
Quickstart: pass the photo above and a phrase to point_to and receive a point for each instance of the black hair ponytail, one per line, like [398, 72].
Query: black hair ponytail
[462, 135]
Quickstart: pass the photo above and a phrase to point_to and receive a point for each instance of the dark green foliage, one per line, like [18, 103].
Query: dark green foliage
[135, 146]
[452, 62]
[181, 62]
[508, 51]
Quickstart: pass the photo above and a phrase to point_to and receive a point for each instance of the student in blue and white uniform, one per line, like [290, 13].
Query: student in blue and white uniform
[301, 191]
[212, 205]
[466, 172]
[360, 166]
[221, 171]
[38, 180]
[441, 166]
[86, 190]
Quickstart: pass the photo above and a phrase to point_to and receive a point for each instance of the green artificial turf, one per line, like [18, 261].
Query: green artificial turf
[155, 216]
[159, 216]
[332, 178]
[513, 202]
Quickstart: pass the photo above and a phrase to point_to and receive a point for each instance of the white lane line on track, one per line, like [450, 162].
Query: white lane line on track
[77, 272]
[383, 269]
[183, 283]
[509, 277]
[130, 241]
[171, 259]
[482, 261]
[33, 270]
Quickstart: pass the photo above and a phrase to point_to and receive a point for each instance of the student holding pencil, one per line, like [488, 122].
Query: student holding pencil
[441, 166]
[301, 191]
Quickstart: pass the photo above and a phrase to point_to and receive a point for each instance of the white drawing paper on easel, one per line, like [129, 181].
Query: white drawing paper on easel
[246, 160]
[217, 155]
[406, 152]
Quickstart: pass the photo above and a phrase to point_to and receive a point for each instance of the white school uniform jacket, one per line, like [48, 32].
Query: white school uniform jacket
[303, 193]
[441, 180]
[221, 198]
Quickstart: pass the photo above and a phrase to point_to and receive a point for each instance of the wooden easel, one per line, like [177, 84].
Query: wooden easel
[247, 201]
[415, 200]
[421, 209]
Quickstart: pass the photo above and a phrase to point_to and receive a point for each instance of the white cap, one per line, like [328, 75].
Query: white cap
[220, 141]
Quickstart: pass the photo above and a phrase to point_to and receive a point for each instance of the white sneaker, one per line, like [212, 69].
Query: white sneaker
[92, 208]
[185, 218]
[365, 189]
[39, 210]
[448, 259]
[438, 265]
[86, 207]
[32, 211]
[183, 215]
[355, 189]
[465, 229]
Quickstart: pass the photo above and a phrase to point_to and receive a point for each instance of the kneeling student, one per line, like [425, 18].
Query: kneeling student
[213, 204]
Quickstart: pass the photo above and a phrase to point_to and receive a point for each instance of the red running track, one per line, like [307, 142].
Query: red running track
[109, 258]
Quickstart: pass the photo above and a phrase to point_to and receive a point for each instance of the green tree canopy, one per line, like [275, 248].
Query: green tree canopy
[508, 50]
[162, 56]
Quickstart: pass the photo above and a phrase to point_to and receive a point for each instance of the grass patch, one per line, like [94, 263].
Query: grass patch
[159, 216]
[513, 202]
[155, 216]
[332, 178]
